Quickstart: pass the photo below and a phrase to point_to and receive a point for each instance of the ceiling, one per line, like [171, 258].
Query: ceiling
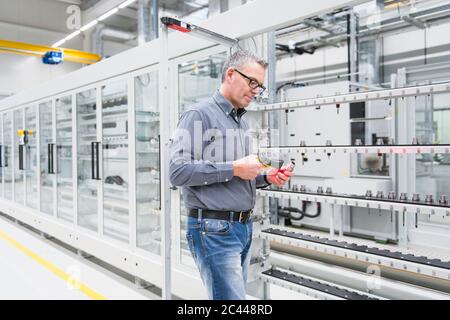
[51, 15]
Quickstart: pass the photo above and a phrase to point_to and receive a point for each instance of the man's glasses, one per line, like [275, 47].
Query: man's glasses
[252, 83]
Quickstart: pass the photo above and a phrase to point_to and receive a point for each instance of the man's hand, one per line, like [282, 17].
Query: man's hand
[247, 168]
[279, 177]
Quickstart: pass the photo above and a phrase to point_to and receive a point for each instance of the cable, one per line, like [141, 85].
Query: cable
[286, 212]
[296, 49]
[291, 83]
[318, 211]
[288, 215]
[254, 42]
[146, 82]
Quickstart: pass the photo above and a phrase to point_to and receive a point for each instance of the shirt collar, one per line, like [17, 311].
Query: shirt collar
[226, 105]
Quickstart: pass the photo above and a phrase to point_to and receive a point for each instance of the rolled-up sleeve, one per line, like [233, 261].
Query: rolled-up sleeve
[186, 167]
[261, 181]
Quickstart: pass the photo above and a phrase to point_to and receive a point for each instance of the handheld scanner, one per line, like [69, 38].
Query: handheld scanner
[290, 167]
[264, 161]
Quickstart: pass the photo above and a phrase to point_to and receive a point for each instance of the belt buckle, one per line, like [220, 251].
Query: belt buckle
[243, 219]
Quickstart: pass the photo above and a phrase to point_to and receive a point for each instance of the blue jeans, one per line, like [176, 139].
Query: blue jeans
[220, 249]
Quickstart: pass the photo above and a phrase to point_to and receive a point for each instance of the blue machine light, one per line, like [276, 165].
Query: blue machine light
[53, 57]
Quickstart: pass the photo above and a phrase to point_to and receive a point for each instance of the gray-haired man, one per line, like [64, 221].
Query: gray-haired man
[211, 160]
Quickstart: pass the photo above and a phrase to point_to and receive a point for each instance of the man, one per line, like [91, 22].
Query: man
[211, 160]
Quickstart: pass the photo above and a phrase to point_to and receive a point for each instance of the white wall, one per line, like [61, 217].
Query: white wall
[296, 66]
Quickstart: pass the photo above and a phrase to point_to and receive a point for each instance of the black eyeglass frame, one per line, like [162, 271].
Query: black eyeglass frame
[250, 80]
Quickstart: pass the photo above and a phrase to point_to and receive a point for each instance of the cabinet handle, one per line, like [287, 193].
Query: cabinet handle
[159, 169]
[6, 159]
[49, 157]
[52, 155]
[97, 153]
[1, 156]
[21, 156]
[92, 160]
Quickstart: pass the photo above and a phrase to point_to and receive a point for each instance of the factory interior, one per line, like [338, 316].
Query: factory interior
[91, 92]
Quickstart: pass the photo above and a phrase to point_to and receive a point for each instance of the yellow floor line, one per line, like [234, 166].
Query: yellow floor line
[54, 269]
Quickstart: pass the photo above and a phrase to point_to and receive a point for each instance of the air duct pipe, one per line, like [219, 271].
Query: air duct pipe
[101, 30]
[147, 20]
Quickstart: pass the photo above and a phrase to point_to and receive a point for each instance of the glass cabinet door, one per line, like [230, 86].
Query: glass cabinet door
[7, 148]
[148, 202]
[115, 161]
[19, 186]
[31, 169]
[64, 176]
[46, 156]
[87, 159]
[197, 80]
[2, 155]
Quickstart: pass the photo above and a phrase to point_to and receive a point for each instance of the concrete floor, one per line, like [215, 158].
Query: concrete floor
[34, 268]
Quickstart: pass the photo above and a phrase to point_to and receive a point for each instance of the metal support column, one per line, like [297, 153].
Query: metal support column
[272, 87]
[406, 169]
[352, 43]
[164, 100]
[393, 164]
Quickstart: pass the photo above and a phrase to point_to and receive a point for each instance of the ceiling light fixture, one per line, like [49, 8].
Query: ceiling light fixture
[72, 35]
[60, 42]
[94, 22]
[89, 25]
[108, 14]
[126, 4]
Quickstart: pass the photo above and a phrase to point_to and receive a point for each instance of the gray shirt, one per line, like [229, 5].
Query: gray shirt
[210, 136]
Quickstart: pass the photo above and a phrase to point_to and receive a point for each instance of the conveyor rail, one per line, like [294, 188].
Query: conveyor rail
[362, 248]
[316, 285]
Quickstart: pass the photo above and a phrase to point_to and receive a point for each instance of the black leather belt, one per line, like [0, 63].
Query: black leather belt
[241, 216]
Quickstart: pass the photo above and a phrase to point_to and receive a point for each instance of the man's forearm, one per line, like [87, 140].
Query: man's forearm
[261, 181]
[200, 173]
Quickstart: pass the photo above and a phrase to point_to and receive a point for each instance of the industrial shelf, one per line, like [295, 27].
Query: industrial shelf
[60, 120]
[65, 180]
[350, 149]
[117, 159]
[116, 229]
[65, 214]
[115, 111]
[361, 201]
[337, 99]
[89, 122]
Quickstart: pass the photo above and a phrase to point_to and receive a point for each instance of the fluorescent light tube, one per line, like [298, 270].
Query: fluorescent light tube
[126, 4]
[72, 35]
[60, 42]
[89, 25]
[108, 14]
